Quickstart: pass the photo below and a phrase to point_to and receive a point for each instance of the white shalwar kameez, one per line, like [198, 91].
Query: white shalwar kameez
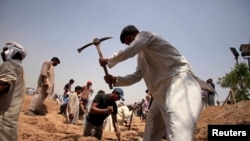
[123, 114]
[72, 108]
[168, 76]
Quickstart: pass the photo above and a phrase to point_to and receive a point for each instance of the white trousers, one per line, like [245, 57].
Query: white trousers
[109, 124]
[175, 111]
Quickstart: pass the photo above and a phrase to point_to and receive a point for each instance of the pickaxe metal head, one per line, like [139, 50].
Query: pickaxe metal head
[95, 41]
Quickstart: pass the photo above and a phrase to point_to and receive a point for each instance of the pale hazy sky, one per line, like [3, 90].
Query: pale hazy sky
[202, 30]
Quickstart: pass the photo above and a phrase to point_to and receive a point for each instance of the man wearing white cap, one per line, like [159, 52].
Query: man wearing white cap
[102, 106]
[12, 90]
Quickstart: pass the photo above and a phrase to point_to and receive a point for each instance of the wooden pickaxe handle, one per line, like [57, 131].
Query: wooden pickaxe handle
[131, 118]
[104, 67]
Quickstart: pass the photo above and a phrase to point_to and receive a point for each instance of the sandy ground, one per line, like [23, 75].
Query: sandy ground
[52, 127]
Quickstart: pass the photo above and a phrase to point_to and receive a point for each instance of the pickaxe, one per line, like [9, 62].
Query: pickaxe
[97, 42]
[131, 118]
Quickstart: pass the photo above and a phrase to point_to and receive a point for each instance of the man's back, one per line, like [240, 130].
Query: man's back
[9, 72]
[123, 111]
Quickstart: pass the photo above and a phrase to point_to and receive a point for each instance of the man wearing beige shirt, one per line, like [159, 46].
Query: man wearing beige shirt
[45, 86]
[12, 90]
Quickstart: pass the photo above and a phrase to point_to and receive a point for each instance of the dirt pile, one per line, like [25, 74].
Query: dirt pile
[52, 127]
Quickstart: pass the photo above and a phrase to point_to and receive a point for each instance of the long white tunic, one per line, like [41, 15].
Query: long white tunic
[168, 76]
[72, 108]
[123, 114]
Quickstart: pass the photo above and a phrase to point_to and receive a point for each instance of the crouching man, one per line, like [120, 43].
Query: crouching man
[102, 106]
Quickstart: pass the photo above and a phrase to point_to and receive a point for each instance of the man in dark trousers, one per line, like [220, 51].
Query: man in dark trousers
[102, 106]
[211, 95]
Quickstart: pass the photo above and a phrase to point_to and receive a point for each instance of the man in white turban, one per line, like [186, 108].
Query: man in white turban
[12, 90]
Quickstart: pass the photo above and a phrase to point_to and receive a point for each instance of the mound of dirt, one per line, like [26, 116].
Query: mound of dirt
[52, 127]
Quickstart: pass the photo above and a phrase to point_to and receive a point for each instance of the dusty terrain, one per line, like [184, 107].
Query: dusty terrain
[51, 127]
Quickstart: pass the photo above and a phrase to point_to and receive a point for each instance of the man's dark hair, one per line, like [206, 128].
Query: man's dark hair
[56, 59]
[209, 80]
[128, 30]
[71, 80]
[78, 88]
[101, 92]
[130, 107]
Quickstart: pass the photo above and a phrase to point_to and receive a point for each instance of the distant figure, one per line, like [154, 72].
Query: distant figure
[151, 99]
[218, 102]
[124, 113]
[45, 86]
[86, 93]
[139, 111]
[12, 90]
[67, 88]
[64, 105]
[204, 96]
[211, 95]
[103, 105]
[145, 107]
[30, 91]
[56, 98]
[72, 110]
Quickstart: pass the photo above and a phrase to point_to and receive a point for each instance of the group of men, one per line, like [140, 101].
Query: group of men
[142, 107]
[167, 74]
[81, 94]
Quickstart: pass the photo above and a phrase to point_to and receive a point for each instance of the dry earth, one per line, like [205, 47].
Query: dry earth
[51, 127]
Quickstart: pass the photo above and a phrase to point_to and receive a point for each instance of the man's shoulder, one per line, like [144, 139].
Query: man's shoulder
[100, 98]
[10, 66]
[74, 94]
[6, 63]
[47, 63]
[146, 33]
[66, 85]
